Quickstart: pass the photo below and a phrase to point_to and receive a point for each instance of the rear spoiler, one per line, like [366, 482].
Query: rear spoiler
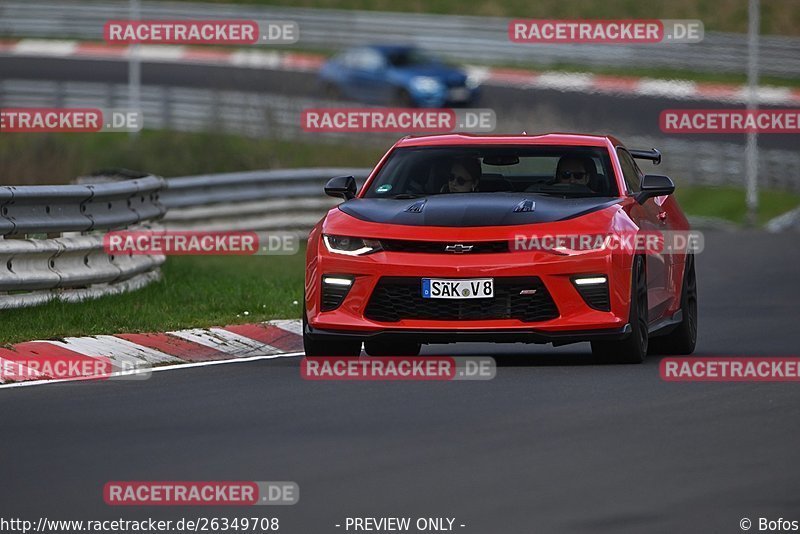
[653, 155]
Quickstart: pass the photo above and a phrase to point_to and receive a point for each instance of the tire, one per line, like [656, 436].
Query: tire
[683, 339]
[632, 349]
[315, 347]
[397, 348]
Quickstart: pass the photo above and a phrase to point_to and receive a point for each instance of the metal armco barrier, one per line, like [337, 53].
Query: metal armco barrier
[259, 200]
[51, 240]
[51, 237]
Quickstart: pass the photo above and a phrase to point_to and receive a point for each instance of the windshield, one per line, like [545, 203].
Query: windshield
[561, 171]
[409, 57]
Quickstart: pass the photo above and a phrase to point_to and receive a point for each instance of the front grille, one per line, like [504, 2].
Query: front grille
[596, 296]
[439, 247]
[398, 298]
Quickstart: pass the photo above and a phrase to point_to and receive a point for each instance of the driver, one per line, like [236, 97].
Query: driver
[464, 177]
[574, 170]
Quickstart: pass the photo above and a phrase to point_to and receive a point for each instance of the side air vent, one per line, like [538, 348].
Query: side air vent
[525, 205]
[416, 207]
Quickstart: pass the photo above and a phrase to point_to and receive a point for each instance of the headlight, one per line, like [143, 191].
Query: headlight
[351, 246]
[472, 81]
[425, 84]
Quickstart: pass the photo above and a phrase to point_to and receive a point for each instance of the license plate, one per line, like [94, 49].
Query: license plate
[471, 288]
[458, 94]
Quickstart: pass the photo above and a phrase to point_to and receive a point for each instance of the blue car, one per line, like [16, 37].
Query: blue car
[401, 76]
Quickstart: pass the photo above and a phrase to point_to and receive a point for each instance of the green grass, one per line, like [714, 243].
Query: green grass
[729, 203]
[777, 16]
[27, 158]
[196, 291]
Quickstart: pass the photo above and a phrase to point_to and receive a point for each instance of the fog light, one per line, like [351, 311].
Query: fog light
[334, 289]
[337, 281]
[594, 291]
[591, 281]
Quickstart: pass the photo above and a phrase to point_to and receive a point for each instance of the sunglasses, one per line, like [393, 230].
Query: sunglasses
[573, 175]
[460, 180]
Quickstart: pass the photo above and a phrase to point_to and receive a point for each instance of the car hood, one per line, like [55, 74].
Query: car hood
[473, 209]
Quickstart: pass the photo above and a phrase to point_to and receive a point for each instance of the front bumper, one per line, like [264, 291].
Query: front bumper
[576, 320]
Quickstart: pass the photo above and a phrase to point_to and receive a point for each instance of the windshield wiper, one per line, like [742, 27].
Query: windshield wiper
[405, 196]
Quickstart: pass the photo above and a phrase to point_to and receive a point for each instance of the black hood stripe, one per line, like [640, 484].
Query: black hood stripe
[474, 209]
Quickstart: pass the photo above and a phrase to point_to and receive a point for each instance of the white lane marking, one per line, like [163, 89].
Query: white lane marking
[295, 326]
[160, 52]
[158, 369]
[669, 88]
[39, 47]
[256, 59]
[224, 341]
[565, 81]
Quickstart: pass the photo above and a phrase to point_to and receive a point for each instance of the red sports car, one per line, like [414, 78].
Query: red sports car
[502, 238]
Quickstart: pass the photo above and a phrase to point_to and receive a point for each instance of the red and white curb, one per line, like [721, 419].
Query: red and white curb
[158, 351]
[504, 77]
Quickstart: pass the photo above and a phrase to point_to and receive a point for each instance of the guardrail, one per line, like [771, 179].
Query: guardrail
[466, 38]
[51, 237]
[51, 240]
[257, 201]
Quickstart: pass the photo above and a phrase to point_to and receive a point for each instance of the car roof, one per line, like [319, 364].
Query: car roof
[462, 139]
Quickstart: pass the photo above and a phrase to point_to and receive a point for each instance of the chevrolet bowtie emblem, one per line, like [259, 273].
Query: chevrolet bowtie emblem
[458, 248]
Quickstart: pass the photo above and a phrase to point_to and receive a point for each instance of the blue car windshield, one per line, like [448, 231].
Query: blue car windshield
[552, 170]
[409, 57]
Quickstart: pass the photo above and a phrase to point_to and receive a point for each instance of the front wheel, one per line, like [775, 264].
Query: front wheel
[632, 349]
[316, 347]
[683, 339]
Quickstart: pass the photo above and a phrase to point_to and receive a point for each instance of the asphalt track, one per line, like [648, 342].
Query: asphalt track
[537, 110]
[554, 443]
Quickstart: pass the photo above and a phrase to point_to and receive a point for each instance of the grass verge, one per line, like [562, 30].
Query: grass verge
[196, 291]
[28, 158]
[729, 202]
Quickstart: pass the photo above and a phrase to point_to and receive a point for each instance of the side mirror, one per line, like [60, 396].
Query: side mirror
[341, 186]
[655, 185]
